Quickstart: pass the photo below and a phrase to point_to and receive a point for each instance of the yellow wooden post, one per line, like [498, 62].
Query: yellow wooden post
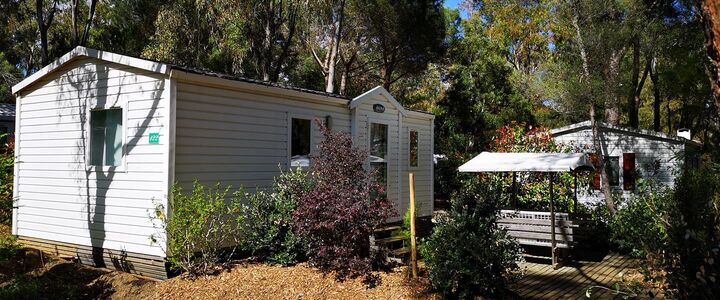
[413, 250]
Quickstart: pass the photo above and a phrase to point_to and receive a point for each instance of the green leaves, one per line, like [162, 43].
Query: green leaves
[267, 226]
[483, 258]
[201, 224]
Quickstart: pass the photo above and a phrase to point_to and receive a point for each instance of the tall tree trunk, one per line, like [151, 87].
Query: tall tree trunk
[596, 133]
[632, 103]
[330, 80]
[656, 94]
[44, 23]
[267, 51]
[75, 8]
[669, 117]
[77, 39]
[88, 23]
[612, 105]
[347, 65]
[710, 15]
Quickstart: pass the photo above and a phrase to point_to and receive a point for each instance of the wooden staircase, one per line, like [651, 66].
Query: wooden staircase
[389, 237]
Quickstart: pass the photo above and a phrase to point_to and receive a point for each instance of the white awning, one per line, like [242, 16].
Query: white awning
[527, 162]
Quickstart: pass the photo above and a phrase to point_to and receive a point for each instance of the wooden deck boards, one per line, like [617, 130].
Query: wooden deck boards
[569, 282]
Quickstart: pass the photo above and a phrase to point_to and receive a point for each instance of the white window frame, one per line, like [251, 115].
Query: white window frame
[419, 164]
[313, 145]
[88, 131]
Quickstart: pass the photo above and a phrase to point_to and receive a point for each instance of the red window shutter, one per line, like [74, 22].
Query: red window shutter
[629, 171]
[595, 183]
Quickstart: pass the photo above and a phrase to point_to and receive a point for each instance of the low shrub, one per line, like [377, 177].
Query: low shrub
[467, 254]
[267, 227]
[340, 213]
[678, 231]
[7, 160]
[200, 224]
[8, 247]
[638, 226]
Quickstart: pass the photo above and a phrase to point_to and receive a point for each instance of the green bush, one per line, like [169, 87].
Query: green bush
[7, 160]
[267, 227]
[8, 247]
[534, 188]
[638, 225]
[468, 254]
[678, 231]
[27, 288]
[200, 224]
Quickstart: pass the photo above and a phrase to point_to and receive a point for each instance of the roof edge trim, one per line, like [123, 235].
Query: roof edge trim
[80, 51]
[377, 91]
[587, 125]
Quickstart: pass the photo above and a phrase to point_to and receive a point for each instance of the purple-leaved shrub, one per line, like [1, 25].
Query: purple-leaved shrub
[340, 213]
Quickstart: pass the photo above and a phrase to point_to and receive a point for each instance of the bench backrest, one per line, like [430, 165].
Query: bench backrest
[533, 228]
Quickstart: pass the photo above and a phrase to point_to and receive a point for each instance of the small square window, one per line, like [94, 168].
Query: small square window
[300, 143]
[413, 155]
[106, 137]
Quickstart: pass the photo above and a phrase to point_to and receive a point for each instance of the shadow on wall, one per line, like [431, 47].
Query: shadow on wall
[89, 87]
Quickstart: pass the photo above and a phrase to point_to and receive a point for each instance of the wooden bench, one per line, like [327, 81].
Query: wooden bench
[532, 228]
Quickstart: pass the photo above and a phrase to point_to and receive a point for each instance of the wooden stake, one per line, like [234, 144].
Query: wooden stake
[514, 191]
[413, 250]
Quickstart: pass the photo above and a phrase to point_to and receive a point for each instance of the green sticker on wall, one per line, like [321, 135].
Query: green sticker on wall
[154, 138]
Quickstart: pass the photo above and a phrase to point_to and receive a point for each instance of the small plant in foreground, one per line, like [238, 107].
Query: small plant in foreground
[7, 161]
[8, 247]
[267, 227]
[467, 254]
[340, 213]
[199, 226]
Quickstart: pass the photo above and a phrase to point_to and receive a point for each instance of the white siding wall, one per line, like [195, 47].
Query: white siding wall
[240, 138]
[423, 172]
[364, 116]
[649, 152]
[60, 198]
[398, 163]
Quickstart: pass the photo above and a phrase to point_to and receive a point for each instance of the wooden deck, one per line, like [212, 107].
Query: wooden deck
[571, 281]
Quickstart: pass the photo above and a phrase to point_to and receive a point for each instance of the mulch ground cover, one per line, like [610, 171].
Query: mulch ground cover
[257, 281]
[32, 274]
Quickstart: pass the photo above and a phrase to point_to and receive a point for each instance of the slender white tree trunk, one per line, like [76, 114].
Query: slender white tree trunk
[596, 133]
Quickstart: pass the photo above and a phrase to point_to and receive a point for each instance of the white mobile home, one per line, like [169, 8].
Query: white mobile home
[629, 154]
[100, 136]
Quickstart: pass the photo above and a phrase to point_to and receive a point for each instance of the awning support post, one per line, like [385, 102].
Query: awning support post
[552, 222]
[575, 200]
[514, 191]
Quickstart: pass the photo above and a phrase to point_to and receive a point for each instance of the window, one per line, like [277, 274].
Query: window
[413, 155]
[629, 171]
[300, 143]
[378, 151]
[612, 168]
[106, 137]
